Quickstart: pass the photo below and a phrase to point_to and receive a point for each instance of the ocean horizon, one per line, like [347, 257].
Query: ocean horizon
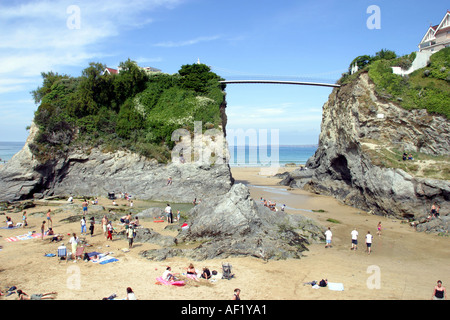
[241, 156]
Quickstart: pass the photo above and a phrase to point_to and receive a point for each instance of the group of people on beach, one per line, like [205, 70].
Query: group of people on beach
[271, 205]
[354, 238]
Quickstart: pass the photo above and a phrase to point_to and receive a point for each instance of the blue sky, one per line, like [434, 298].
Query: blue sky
[310, 39]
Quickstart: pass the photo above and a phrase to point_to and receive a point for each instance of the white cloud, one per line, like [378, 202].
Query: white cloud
[171, 44]
[36, 36]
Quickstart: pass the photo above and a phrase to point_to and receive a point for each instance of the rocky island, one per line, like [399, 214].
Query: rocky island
[368, 125]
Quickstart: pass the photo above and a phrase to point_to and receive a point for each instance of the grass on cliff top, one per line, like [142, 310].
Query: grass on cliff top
[131, 110]
[423, 165]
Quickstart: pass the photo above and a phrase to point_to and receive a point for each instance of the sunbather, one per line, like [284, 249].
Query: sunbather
[38, 296]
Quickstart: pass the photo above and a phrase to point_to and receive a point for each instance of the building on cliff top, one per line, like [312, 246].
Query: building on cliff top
[437, 37]
[117, 71]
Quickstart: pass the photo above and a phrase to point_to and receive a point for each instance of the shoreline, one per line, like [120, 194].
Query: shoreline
[409, 262]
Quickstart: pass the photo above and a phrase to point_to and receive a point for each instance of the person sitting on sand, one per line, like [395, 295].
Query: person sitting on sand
[168, 275]
[206, 274]
[39, 296]
[130, 294]
[191, 273]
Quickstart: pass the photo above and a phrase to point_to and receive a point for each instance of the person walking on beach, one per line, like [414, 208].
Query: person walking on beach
[369, 239]
[439, 292]
[130, 235]
[49, 218]
[42, 229]
[379, 229]
[110, 230]
[83, 225]
[354, 234]
[328, 238]
[91, 227]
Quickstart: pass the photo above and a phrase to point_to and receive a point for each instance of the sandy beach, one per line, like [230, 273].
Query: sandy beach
[403, 265]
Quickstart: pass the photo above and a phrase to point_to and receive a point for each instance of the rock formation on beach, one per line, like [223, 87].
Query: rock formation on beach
[235, 225]
[360, 130]
[93, 173]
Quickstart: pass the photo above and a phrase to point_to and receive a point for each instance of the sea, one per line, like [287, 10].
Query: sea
[241, 156]
[260, 156]
[9, 149]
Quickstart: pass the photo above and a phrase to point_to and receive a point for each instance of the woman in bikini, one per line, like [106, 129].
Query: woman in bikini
[439, 292]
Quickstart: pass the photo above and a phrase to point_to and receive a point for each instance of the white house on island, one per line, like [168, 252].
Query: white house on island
[436, 38]
[149, 70]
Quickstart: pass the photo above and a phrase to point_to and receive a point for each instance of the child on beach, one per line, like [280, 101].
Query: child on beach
[24, 219]
[379, 229]
[328, 237]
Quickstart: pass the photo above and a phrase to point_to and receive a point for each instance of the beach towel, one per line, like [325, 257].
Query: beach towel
[27, 236]
[335, 286]
[11, 228]
[170, 283]
[107, 260]
[50, 255]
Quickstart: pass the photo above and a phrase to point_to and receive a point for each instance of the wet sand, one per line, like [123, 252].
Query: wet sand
[403, 265]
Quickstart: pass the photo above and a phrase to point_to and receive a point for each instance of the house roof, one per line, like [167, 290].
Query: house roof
[112, 71]
[443, 25]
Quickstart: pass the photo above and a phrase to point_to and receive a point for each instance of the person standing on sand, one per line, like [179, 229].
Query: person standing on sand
[104, 226]
[85, 207]
[369, 239]
[379, 229]
[83, 225]
[49, 218]
[439, 292]
[91, 227]
[328, 238]
[42, 229]
[354, 234]
[110, 230]
[24, 219]
[74, 242]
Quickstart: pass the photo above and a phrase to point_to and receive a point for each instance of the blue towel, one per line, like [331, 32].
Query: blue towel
[109, 260]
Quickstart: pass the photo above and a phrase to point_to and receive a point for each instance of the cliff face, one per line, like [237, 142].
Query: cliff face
[91, 172]
[360, 129]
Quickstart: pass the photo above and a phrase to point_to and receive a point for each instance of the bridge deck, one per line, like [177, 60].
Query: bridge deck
[304, 83]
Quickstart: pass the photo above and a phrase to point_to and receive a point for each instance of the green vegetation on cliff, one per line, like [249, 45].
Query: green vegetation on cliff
[427, 88]
[131, 110]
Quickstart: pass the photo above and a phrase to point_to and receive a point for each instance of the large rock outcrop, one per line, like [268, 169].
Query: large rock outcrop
[235, 225]
[91, 172]
[353, 117]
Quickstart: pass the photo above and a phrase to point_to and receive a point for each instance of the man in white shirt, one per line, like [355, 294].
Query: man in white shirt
[169, 215]
[369, 239]
[354, 234]
[328, 237]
